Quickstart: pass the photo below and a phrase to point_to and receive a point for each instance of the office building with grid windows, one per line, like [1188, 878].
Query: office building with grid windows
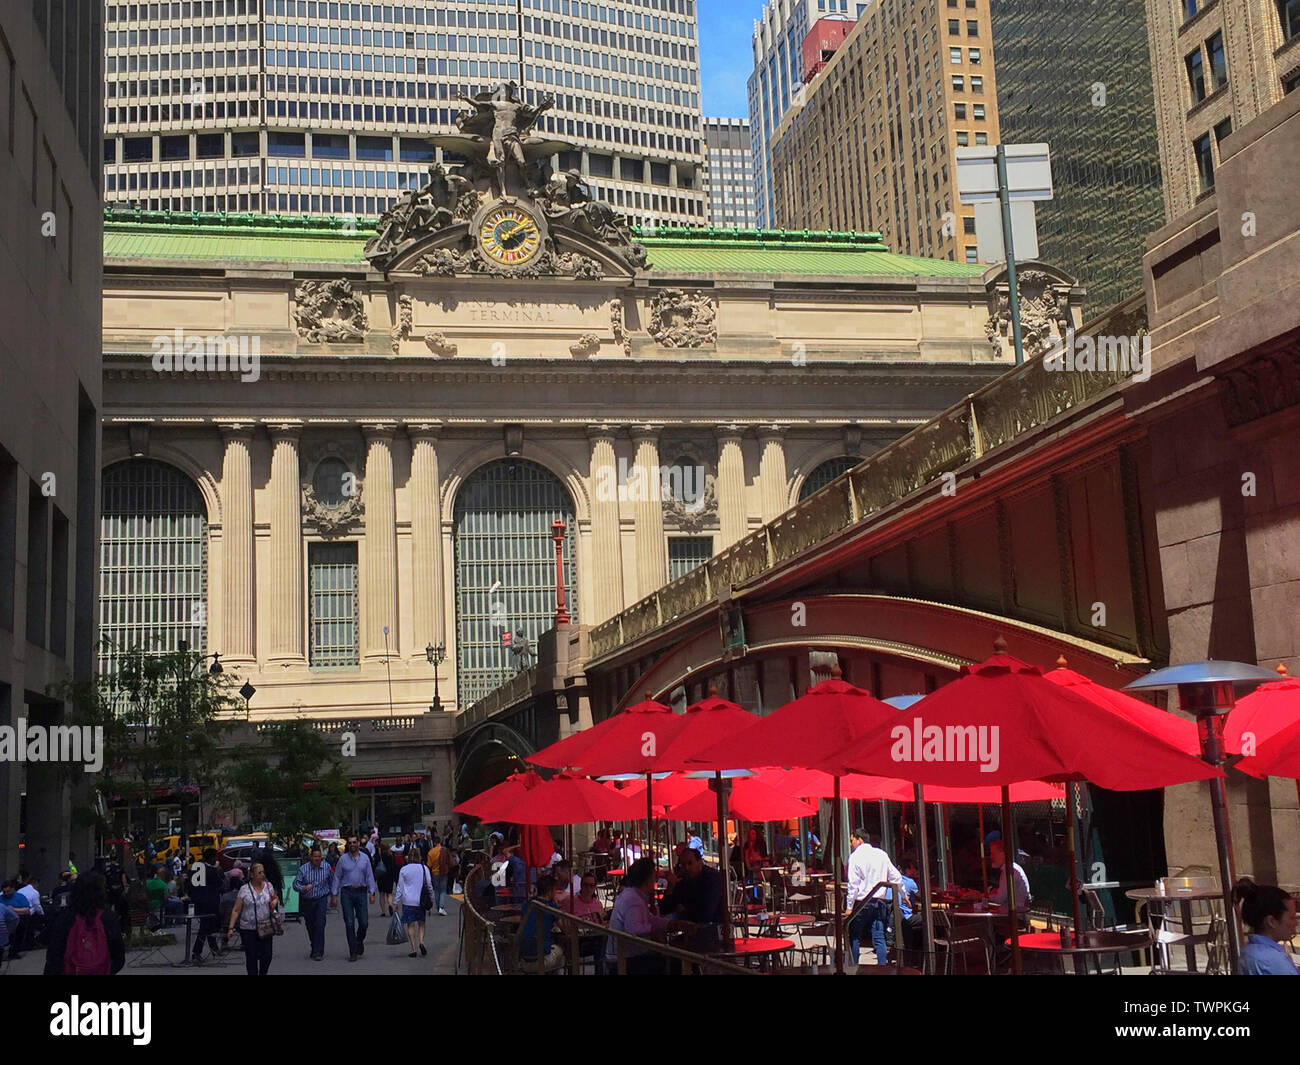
[728, 174]
[870, 146]
[316, 107]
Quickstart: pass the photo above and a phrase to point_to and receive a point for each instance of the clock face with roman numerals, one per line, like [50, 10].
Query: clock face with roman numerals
[509, 235]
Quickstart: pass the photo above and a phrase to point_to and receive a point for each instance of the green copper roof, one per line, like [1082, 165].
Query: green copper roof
[137, 236]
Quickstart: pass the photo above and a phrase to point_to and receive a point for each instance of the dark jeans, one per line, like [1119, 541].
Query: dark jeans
[313, 916]
[872, 918]
[206, 929]
[643, 965]
[356, 916]
[257, 952]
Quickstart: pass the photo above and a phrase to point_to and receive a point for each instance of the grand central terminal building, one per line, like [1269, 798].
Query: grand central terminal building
[331, 449]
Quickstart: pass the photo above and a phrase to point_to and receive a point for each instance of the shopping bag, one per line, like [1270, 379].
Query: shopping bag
[396, 933]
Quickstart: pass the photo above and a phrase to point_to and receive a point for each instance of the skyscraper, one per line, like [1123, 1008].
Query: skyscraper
[728, 173]
[315, 107]
[1102, 132]
[50, 296]
[870, 143]
[777, 77]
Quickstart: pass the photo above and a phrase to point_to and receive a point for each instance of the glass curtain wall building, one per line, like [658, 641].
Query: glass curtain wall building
[315, 107]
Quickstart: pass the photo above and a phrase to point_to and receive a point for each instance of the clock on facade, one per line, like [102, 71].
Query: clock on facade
[509, 235]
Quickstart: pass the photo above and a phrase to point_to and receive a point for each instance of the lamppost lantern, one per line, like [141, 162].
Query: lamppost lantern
[247, 691]
[216, 669]
[435, 653]
[1208, 690]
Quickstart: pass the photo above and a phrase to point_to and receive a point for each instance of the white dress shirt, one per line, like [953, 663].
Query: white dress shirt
[33, 898]
[869, 866]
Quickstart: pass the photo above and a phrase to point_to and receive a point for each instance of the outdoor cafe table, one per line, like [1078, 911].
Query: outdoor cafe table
[779, 920]
[1095, 944]
[1184, 897]
[761, 947]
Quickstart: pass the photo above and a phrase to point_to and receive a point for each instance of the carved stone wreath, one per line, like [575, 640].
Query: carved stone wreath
[616, 322]
[679, 319]
[439, 344]
[335, 520]
[328, 311]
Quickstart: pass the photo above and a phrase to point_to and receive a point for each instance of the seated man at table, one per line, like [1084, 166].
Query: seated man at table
[998, 859]
[536, 951]
[869, 866]
[909, 905]
[696, 896]
[632, 914]
[586, 905]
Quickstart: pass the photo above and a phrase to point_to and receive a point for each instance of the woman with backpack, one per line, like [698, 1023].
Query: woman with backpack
[257, 916]
[86, 937]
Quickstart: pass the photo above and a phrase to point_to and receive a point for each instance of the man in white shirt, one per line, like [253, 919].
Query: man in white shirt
[998, 859]
[869, 866]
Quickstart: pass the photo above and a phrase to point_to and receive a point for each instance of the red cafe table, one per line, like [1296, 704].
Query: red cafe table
[760, 947]
[1094, 945]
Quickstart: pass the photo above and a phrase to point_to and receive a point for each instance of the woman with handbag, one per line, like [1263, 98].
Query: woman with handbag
[385, 875]
[256, 914]
[415, 895]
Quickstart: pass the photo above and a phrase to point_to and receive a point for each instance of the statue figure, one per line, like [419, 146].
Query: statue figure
[522, 648]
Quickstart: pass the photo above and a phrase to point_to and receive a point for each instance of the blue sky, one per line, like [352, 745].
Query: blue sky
[726, 58]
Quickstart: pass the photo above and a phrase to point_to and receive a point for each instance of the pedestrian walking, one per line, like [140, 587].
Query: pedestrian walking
[256, 915]
[385, 865]
[412, 882]
[205, 893]
[313, 886]
[86, 937]
[353, 880]
[439, 864]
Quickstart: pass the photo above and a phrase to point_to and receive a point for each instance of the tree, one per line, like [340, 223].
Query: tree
[161, 715]
[291, 779]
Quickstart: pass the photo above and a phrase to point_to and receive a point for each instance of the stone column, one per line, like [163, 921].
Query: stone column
[645, 487]
[771, 471]
[732, 517]
[607, 558]
[287, 631]
[237, 588]
[426, 537]
[379, 598]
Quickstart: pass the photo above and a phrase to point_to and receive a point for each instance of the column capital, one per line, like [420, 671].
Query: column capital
[729, 431]
[422, 430]
[603, 431]
[378, 431]
[771, 432]
[646, 431]
[283, 428]
[237, 429]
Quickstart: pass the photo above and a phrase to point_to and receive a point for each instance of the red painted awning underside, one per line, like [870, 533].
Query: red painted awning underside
[379, 782]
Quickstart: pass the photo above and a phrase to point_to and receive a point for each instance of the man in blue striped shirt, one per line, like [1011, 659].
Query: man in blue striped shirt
[354, 877]
[314, 884]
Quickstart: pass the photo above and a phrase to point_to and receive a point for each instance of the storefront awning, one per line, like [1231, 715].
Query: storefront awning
[380, 782]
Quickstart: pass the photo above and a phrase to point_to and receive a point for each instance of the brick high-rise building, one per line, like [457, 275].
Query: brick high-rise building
[315, 107]
[1215, 66]
[870, 146]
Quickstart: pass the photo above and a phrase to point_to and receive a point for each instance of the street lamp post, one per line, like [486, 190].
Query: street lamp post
[557, 534]
[435, 654]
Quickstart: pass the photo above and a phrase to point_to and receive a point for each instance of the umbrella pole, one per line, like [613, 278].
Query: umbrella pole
[724, 863]
[568, 854]
[984, 859]
[1008, 866]
[650, 823]
[839, 901]
[1072, 797]
[947, 845]
[927, 913]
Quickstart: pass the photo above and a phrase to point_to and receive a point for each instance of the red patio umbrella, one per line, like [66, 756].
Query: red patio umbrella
[566, 799]
[1178, 731]
[1001, 722]
[673, 789]
[1277, 756]
[803, 733]
[1263, 713]
[750, 799]
[485, 803]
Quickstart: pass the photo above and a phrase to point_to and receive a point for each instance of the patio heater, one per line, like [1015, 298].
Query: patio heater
[1208, 690]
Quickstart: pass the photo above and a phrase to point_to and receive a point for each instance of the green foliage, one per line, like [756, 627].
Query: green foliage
[291, 779]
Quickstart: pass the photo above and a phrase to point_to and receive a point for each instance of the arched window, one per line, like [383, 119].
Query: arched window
[505, 568]
[153, 560]
[822, 475]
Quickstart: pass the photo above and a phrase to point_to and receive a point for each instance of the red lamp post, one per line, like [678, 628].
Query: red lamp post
[557, 534]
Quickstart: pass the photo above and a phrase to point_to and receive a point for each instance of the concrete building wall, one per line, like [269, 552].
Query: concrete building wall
[50, 270]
